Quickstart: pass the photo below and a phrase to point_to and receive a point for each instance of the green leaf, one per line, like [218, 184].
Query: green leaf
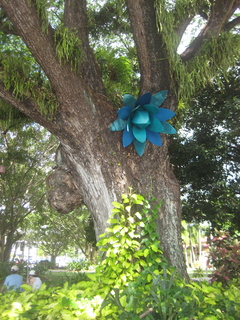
[117, 205]
[146, 252]
[138, 215]
[128, 208]
[131, 219]
[154, 248]
[112, 221]
[116, 228]
[26, 287]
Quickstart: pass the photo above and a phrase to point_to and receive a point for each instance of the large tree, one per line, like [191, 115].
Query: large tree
[66, 95]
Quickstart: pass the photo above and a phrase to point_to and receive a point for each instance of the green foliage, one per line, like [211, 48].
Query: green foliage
[58, 233]
[225, 257]
[216, 54]
[21, 186]
[214, 301]
[198, 273]
[5, 270]
[168, 298]
[108, 21]
[130, 244]
[206, 155]
[57, 278]
[132, 282]
[42, 6]
[78, 265]
[48, 303]
[21, 75]
[118, 73]
[68, 46]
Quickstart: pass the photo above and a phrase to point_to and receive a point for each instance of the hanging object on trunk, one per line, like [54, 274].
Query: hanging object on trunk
[142, 119]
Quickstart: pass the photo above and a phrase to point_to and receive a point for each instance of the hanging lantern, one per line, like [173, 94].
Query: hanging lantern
[2, 169]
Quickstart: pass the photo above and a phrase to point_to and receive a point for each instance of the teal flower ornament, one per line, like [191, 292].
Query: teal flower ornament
[142, 119]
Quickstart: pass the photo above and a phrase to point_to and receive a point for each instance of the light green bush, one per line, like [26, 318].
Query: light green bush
[133, 279]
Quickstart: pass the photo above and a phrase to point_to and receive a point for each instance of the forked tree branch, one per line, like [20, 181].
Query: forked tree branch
[76, 19]
[220, 13]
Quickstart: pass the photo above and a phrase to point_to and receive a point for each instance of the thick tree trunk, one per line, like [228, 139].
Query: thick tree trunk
[92, 156]
[102, 170]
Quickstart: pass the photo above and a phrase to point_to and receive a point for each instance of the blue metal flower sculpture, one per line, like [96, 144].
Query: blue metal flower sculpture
[142, 119]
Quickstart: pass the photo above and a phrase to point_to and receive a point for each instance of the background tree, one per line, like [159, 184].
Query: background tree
[57, 233]
[65, 94]
[206, 156]
[25, 155]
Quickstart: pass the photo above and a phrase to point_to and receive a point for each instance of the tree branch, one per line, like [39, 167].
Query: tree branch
[76, 19]
[183, 26]
[28, 107]
[152, 54]
[220, 12]
[230, 25]
[28, 25]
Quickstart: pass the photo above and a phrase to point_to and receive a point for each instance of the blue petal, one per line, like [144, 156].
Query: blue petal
[141, 118]
[129, 100]
[158, 98]
[167, 128]
[127, 137]
[156, 125]
[150, 108]
[144, 99]
[164, 114]
[118, 125]
[154, 137]
[124, 112]
[139, 134]
[140, 147]
[129, 124]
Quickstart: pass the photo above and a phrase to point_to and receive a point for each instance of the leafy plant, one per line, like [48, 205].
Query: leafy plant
[199, 273]
[134, 267]
[5, 268]
[78, 265]
[133, 282]
[225, 256]
[130, 244]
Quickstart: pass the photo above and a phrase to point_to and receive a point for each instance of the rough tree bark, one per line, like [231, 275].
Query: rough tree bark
[95, 166]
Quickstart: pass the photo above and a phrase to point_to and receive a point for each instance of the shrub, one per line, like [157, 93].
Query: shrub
[48, 303]
[78, 265]
[198, 273]
[225, 257]
[129, 245]
[5, 270]
[132, 282]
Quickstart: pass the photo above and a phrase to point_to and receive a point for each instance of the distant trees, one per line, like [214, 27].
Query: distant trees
[56, 234]
[26, 154]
